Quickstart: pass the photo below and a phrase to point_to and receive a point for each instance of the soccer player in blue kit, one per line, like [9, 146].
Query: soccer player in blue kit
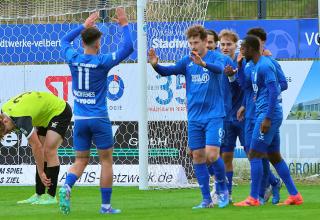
[233, 96]
[265, 138]
[203, 71]
[91, 122]
[248, 111]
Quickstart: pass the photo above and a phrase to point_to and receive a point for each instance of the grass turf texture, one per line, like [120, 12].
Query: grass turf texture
[155, 204]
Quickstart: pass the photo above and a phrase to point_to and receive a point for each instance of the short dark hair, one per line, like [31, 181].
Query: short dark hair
[252, 41]
[195, 31]
[258, 32]
[214, 34]
[90, 35]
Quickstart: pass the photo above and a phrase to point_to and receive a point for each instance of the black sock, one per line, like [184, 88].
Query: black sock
[40, 188]
[53, 173]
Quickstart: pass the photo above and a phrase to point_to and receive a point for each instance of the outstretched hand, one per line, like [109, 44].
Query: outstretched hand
[91, 20]
[153, 58]
[121, 16]
[229, 71]
[195, 57]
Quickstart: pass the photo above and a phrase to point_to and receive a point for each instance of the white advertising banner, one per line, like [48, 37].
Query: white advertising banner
[12, 82]
[123, 175]
[296, 73]
[122, 84]
[166, 97]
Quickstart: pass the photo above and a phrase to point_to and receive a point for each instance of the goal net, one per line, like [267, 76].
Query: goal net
[30, 57]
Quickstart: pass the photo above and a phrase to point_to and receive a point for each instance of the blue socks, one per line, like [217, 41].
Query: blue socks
[211, 173]
[284, 173]
[265, 177]
[71, 179]
[105, 195]
[220, 174]
[273, 180]
[211, 169]
[202, 175]
[256, 176]
[229, 175]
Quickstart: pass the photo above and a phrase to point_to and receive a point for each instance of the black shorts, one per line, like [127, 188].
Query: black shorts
[59, 123]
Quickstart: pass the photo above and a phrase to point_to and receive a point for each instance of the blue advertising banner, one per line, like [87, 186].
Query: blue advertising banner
[282, 38]
[309, 33]
[40, 43]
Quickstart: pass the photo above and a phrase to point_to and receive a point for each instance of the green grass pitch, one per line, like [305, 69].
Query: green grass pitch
[163, 204]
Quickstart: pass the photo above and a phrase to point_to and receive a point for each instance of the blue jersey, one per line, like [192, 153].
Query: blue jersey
[89, 74]
[232, 94]
[203, 85]
[248, 100]
[244, 75]
[283, 84]
[263, 73]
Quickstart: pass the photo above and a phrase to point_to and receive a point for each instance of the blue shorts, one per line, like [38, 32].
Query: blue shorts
[232, 129]
[248, 131]
[209, 132]
[268, 142]
[97, 130]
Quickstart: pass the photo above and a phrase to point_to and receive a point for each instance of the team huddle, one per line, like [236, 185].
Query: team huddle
[229, 96]
[232, 96]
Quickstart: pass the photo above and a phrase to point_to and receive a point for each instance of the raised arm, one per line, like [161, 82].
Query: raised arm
[67, 49]
[215, 67]
[176, 69]
[126, 49]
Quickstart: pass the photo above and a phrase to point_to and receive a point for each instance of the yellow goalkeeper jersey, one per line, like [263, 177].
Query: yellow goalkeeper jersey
[34, 109]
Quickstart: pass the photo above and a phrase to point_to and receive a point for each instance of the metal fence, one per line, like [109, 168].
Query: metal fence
[255, 9]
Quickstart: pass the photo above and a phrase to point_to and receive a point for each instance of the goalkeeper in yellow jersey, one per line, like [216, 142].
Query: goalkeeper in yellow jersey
[44, 119]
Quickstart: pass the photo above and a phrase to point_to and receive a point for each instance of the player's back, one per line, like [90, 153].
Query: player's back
[40, 106]
[89, 84]
[279, 74]
[264, 73]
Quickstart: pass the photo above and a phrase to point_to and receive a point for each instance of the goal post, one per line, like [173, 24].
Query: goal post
[142, 71]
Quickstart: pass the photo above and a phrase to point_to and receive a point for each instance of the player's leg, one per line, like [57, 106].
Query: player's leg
[227, 153]
[257, 152]
[249, 125]
[74, 172]
[54, 137]
[82, 141]
[103, 138]
[215, 187]
[196, 142]
[39, 187]
[273, 183]
[264, 181]
[214, 136]
[51, 144]
[270, 185]
[282, 169]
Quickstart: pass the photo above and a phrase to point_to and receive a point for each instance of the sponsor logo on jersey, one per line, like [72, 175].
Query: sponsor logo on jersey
[199, 79]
